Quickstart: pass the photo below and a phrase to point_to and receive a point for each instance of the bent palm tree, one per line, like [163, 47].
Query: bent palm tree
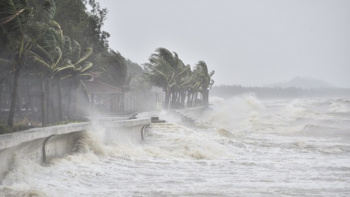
[163, 70]
[205, 80]
[77, 72]
[22, 29]
[47, 55]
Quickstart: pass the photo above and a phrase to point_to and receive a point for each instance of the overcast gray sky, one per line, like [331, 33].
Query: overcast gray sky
[246, 42]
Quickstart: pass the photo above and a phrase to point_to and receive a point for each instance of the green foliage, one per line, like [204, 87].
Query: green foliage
[133, 68]
[23, 124]
[22, 26]
[64, 40]
[113, 67]
[4, 129]
[204, 77]
[166, 70]
[82, 25]
[163, 66]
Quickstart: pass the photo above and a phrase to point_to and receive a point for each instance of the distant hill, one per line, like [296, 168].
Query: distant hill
[303, 82]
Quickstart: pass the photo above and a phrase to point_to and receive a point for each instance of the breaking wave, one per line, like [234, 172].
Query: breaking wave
[250, 147]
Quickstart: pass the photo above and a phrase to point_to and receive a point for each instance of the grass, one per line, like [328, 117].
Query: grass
[20, 125]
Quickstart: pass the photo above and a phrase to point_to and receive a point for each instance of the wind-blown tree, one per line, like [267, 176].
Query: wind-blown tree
[5, 73]
[163, 68]
[82, 20]
[77, 70]
[193, 89]
[166, 70]
[184, 79]
[134, 69]
[5, 56]
[113, 67]
[205, 80]
[22, 27]
[185, 82]
[47, 55]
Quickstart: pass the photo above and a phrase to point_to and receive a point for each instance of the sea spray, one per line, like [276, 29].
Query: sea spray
[93, 140]
[294, 111]
[339, 106]
[267, 151]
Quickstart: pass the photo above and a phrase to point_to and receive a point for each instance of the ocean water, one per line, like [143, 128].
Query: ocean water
[242, 147]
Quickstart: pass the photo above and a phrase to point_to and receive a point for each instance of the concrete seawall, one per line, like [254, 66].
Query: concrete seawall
[42, 144]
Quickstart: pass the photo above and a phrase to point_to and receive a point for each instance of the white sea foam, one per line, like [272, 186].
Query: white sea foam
[258, 148]
[339, 106]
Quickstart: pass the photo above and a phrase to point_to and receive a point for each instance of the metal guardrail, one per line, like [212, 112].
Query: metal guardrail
[143, 129]
[44, 148]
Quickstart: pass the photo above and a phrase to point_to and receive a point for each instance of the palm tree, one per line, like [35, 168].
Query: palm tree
[193, 86]
[5, 72]
[47, 55]
[163, 70]
[185, 83]
[22, 28]
[77, 71]
[205, 80]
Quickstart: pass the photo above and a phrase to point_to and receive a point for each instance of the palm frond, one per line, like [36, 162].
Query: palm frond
[64, 72]
[11, 17]
[76, 50]
[58, 55]
[86, 55]
[39, 51]
[87, 67]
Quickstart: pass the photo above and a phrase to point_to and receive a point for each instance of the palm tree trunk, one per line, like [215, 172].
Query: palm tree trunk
[75, 108]
[1, 91]
[188, 96]
[183, 98]
[27, 97]
[75, 102]
[173, 99]
[52, 109]
[176, 102]
[194, 97]
[14, 95]
[205, 98]
[48, 101]
[59, 89]
[30, 102]
[18, 108]
[43, 103]
[122, 102]
[190, 99]
[69, 115]
[166, 100]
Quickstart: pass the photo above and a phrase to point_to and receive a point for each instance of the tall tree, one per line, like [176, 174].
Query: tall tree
[162, 71]
[83, 25]
[22, 27]
[77, 70]
[47, 55]
[205, 80]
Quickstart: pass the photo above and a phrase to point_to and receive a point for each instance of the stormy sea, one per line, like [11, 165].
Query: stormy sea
[241, 146]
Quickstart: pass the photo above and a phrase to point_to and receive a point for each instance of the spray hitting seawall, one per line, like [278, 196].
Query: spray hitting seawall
[250, 148]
